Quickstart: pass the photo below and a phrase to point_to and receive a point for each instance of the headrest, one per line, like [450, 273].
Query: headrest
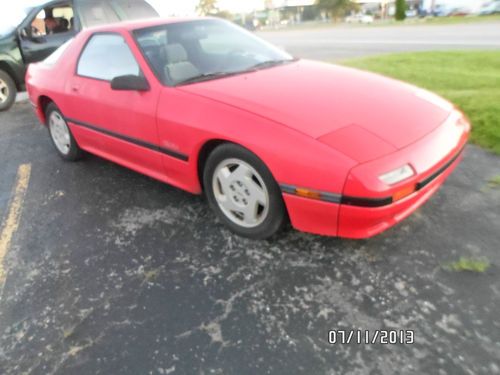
[175, 54]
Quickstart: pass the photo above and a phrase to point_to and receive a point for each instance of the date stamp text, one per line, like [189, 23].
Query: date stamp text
[371, 337]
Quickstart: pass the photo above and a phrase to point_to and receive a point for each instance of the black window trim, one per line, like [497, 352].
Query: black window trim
[141, 73]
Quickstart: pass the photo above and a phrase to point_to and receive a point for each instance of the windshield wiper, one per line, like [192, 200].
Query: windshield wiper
[206, 77]
[269, 64]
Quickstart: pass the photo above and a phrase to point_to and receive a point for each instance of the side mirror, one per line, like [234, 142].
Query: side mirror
[130, 82]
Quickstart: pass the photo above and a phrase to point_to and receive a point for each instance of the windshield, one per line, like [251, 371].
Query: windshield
[188, 52]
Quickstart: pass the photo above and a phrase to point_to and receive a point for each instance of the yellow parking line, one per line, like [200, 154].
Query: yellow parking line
[11, 223]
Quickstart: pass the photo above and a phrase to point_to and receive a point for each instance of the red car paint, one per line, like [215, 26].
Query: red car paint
[317, 126]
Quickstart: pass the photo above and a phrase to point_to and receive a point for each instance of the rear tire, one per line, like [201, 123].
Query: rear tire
[60, 134]
[243, 193]
[8, 91]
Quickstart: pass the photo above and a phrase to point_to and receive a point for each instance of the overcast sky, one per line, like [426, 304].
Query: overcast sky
[188, 7]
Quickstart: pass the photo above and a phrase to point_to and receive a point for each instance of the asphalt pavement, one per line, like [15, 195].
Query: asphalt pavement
[350, 41]
[111, 272]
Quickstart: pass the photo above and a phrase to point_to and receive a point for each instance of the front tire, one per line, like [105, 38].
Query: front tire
[60, 134]
[8, 91]
[243, 193]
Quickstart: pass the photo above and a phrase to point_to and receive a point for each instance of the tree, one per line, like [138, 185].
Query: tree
[337, 8]
[400, 10]
[224, 14]
[206, 7]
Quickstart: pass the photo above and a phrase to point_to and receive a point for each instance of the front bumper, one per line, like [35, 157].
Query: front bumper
[357, 222]
[361, 222]
[366, 206]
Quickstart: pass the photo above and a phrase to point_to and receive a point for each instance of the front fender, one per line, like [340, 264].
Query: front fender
[187, 121]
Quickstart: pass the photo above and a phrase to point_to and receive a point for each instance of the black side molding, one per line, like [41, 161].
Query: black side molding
[432, 177]
[134, 141]
[366, 202]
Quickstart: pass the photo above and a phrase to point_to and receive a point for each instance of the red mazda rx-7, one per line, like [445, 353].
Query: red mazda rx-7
[210, 108]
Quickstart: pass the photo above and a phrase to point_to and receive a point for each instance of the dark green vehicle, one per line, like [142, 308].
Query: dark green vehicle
[32, 33]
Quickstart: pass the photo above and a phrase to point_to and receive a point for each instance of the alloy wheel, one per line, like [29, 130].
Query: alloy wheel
[59, 132]
[240, 192]
[4, 91]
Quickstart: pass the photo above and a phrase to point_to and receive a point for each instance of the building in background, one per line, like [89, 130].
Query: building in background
[274, 13]
[386, 8]
[383, 9]
[292, 11]
[451, 7]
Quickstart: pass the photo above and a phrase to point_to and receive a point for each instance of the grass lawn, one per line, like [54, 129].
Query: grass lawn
[470, 79]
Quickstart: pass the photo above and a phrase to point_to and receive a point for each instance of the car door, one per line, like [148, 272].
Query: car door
[46, 29]
[119, 125]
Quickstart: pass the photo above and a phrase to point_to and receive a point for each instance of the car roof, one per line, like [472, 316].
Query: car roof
[141, 24]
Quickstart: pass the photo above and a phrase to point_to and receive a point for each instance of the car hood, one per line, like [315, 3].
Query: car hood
[334, 104]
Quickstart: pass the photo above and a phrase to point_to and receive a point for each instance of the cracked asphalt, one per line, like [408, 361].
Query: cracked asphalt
[111, 272]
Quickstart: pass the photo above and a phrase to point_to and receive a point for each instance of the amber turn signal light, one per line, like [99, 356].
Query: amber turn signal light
[404, 192]
[306, 193]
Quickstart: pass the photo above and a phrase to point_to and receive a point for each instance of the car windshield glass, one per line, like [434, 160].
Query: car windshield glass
[193, 51]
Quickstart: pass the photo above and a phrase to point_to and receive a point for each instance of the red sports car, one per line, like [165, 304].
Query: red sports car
[210, 108]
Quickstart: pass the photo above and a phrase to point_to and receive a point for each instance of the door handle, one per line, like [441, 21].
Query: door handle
[75, 88]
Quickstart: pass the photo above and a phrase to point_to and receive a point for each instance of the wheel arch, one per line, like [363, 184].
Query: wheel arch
[43, 102]
[4, 65]
[210, 145]
[205, 150]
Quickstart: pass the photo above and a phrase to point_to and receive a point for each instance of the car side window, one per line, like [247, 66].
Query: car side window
[107, 56]
[53, 20]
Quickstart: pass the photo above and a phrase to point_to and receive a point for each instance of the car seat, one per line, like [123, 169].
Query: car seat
[178, 67]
